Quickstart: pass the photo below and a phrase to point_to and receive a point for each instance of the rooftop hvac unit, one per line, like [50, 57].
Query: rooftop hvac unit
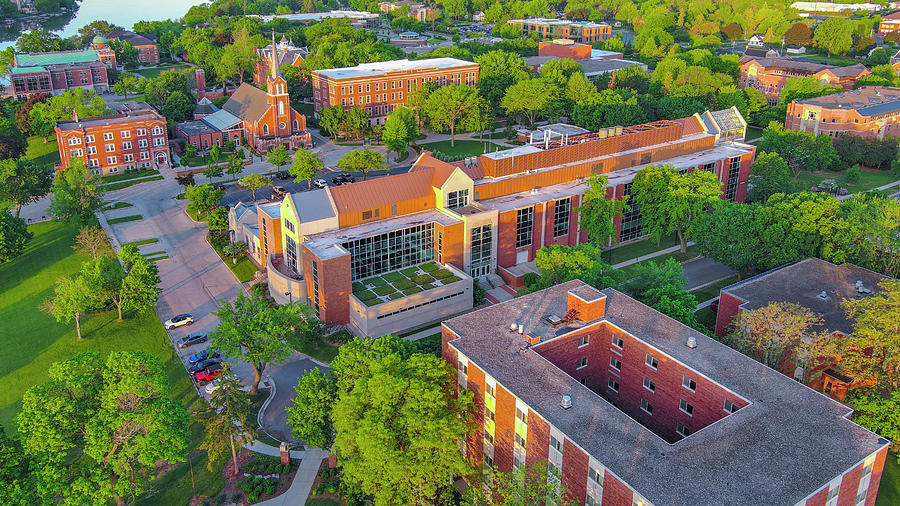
[566, 402]
[691, 342]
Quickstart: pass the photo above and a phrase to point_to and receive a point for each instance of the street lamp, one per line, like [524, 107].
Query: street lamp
[290, 296]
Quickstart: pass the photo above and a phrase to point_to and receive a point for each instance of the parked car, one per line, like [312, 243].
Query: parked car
[203, 364]
[203, 355]
[279, 190]
[179, 320]
[283, 174]
[210, 373]
[344, 178]
[219, 187]
[192, 339]
[320, 183]
[212, 386]
[714, 306]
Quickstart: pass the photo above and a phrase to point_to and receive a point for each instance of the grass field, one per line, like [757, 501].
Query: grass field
[143, 242]
[42, 152]
[116, 205]
[868, 179]
[243, 270]
[712, 291]
[132, 98]
[156, 71]
[125, 219]
[32, 341]
[126, 184]
[462, 149]
[636, 249]
[889, 490]
[129, 174]
[677, 255]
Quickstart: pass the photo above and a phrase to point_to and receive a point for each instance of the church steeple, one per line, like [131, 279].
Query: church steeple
[274, 71]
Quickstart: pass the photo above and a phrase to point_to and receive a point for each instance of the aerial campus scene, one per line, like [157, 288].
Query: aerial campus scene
[452, 252]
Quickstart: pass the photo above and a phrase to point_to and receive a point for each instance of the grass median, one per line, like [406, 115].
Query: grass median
[125, 219]
[125, 184]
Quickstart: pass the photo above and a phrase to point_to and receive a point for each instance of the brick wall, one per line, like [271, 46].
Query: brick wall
[729, 306]
[475, 439]
[538, 440]
[574, 471]
[615, 491]
[506, 239]
[504, 430]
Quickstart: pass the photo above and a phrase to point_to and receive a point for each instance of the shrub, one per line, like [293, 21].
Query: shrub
[853, 174]
[252, 497]
[219, 499]
[410, 291]
[358, 287]
[451, 279]
[237, 497]
[395, 296]
[530, 279]
[365, 295]
[423, 279]
[410, 272]
[339, 337]
[376, 281]
[384, 290]
[441, 274]
[429, 267]
[403, 284]
[392, 277]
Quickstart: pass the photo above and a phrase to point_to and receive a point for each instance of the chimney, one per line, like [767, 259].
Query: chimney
[588, 303]
[75, 116]
[200, 77]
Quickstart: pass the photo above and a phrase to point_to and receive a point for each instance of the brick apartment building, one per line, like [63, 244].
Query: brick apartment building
[287, 54]
[578, 31]
[889, 23]
[768, 75]
[148, 53]
[869, 111]
[57, 71]
[380, 87]
[631, 407]
[134, 137]
[482, 217]
[815, 284]
[594, 62]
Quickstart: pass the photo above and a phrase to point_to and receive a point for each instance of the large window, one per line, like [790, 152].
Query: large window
[524, 223]
[391, 251]
[561, 217]
[631, 219]
[457, 199]
[290, 252]
[480, 258]
[734, 171]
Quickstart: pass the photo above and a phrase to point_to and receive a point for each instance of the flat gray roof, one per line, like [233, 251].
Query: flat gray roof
[759, 455]
[802, 282]
[383, 67]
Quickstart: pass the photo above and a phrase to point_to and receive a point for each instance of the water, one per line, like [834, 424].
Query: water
[124, 13]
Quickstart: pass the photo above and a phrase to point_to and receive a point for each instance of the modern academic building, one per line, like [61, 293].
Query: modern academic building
[578, 31]
[483, 217]
[868, 111]
[381, 87]
[627, 406]
[768, 74]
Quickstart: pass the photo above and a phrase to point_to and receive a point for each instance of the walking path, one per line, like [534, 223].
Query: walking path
[648, 256]
[430, 331]
[882, 187]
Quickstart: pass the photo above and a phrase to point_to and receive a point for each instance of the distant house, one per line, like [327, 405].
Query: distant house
[288, 54]
[889, 23]
[795, 50]
[756, 40]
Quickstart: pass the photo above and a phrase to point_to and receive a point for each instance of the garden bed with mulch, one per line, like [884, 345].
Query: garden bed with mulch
[260, 477]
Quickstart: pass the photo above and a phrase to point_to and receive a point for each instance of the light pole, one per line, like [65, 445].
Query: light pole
[289, 295]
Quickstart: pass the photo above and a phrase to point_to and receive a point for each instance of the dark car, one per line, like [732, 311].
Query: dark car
[344, 178]
[283, 174]
[203, 355]
[220, 187]
[203, 364]
[210, 373]
[192, 339]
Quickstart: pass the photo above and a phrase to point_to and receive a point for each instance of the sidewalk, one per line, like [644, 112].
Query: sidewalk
[301, 487]
[882, 187]
[655, 254]
[430, 331]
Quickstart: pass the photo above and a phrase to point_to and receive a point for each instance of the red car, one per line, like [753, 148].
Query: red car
[208, 374]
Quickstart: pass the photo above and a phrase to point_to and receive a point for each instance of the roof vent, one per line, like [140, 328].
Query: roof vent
[554, 319]
[534, 191]
[513, 327]
[691, 342]
[860, 288]
[823, 295]
[566, 402]
[521, 329]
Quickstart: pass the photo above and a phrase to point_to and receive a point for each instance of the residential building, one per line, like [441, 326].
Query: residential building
[358, 19]
[134, 137]
[578, 31]
[380, 87]
[829, 7]
[869, 111]
[756, 40]
[889, 23]
[630, 407]
[768, 75]
[57, 71]
[148, 53]
[288, 54]
[483, 217]
[417, 11]
[814, 284]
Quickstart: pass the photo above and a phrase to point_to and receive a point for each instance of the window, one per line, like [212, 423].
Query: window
[110, 160]
[74, 141]
[489, 415]
[561, 217]
[140, 131]
[142, 143]
[488, 461]
[290, 252]
[145, 155]
[524, 219]
[832, 495]
[480, 254]
[583, 341]
[126, 145]
[457, 199]
[110, 148]
[613, 385]
[651, 361]
[157, 130]
[159, 141]
[646, 406]
[265, 129]
[522, 415]
[595, 475]
[682, 430]
[289, 225]
[556, 444]
[615, 363]
[649, 385]
[631, 219]
[730, 407]
[75, 153]
[89, 138]
[390, 251]
[489, 390]
[683, 405]
[861, 496]
[125, 134]
[368, 215]
[582, 363]
[734, 171]
[107, 136]
[315, 269]
[488, 437]
[618, 342]
[128, 157]
[520, 441]
[689, 383]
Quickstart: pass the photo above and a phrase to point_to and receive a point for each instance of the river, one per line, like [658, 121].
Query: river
[124, 13]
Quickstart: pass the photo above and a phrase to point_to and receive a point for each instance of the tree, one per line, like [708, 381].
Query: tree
[254, 182]
[227, 420]
[17, 472]
[399, 130]
[362, 160]
[158, 89]
[203, 197]
[728, 236]
[14, 235]
[800, 88]
[237, 58]
[252, 330]
[598, 213]
[40, 41]
[330, 119]
[309, 415]
[127, 83]
[877, 412]
[530, 98]
[800, 150]
[305, 166]
[73, 297]
[798, 34]
[139, 290]
[7, 60]
[91, 241]
[278, 156]
[110, 421]
[417, 101]
[771, 333]
[871, 353]
[235, 165]
[390, 400]
[126, 53]
[498, 70]
[23, 114]
[178, 107]
[670, 201]
[213, 171]
[217, 219]
[835, 34]
[84, 104]
[558, 264]
[448, 105]
[234, 250]
[538, 484]
[77, 194]
[769, 174]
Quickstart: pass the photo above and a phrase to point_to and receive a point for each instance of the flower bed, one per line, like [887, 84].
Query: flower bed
[394, 285]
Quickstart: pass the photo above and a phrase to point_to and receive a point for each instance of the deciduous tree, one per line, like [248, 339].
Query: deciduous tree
[305, 166]
[254, 182]
[217, 219]
[599, 212]
[728, 236]
[278, 156]
[448, 105]
[234, 250]
[204, 197]
[835, 34]
[537, 484]
[77, 194]
[498, 70]
[558, 264]
[770, 334]
[880, 413]
[14, 235]
[769, 174]
[399, 130]
[73, 297]
[309, 415]
[362, 160]
[529, 98]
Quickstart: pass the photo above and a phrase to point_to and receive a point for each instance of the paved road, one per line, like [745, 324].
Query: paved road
[702, 271]
[285, 377]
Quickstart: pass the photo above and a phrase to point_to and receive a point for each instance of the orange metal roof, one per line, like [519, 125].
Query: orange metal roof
[441, 170]
[363, 195]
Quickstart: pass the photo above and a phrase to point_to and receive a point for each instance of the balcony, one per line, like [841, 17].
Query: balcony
[285, 285]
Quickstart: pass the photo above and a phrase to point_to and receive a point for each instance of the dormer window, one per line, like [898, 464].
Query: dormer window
[457, 199]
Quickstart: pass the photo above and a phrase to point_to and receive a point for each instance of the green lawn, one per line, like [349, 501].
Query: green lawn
[116, 205]
[841, 61]
[42, 152]
[867, 181]
[322, 501]
[143, 242]
[889, 490]
[132, 98]
[320, 350]
[126, 184]
[462, 149]
[753, 132]
[640, 248]
[129, 174]
[156, 71]
[243, 270]
[677, 255]
[125, 219]
[706, 318]
[712, 291]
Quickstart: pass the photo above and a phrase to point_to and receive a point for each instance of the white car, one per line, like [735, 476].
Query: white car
[320, 183]
[179, 320]
[212, 386]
